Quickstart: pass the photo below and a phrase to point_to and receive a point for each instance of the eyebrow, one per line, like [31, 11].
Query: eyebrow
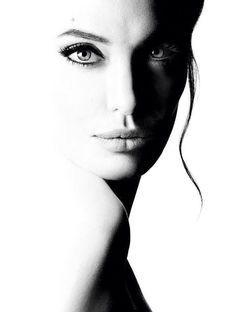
[85, 35]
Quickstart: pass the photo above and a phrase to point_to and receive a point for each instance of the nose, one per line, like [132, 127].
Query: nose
[120, 90]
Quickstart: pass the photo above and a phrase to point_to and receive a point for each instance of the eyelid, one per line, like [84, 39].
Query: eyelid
[68, 50]
[167, 47]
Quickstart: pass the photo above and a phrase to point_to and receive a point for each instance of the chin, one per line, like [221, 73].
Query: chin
[125, 166]
[117, 167]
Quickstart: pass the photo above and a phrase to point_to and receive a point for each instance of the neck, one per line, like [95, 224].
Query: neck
[125, 190]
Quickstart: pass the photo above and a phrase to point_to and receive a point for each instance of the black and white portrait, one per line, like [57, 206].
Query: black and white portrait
[124, 163]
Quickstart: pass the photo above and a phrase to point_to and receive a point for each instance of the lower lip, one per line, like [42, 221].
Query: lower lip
[122, 145]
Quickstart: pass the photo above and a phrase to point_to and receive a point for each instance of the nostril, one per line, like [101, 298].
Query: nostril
[130, 122]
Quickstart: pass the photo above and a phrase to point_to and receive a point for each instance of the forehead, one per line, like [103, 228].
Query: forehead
[117, 20]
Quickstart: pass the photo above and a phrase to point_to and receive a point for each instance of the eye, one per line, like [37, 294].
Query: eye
[158, 53]
[163, 52]
[83, 54]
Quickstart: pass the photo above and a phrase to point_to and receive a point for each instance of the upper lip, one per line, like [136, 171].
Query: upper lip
[124, 134]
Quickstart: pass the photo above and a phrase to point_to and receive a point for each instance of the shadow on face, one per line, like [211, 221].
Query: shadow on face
[121, 71]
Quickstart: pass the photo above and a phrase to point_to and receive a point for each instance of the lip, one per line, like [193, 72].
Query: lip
[122, 140]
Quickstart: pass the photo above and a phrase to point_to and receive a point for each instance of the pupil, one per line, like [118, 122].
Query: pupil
[84, 55]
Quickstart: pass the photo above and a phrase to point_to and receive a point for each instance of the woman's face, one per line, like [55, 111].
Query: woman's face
[118, 84]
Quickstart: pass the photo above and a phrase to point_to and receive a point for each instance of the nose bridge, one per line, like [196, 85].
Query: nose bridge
[120, 87]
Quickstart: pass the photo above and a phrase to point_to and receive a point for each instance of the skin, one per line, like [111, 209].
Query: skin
[126, 88]
[68, 210]
[134, 82]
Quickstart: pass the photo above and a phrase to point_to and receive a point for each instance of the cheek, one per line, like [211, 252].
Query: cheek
[169, 84]
[166, 91]
[80, 96]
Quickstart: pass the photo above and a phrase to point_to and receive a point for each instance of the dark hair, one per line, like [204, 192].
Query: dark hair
[180, 17]
[192, 72]
[193, 9]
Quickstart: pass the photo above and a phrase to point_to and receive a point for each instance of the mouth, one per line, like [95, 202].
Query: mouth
[121, 140]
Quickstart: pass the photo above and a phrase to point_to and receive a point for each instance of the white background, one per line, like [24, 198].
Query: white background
[186, 260]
